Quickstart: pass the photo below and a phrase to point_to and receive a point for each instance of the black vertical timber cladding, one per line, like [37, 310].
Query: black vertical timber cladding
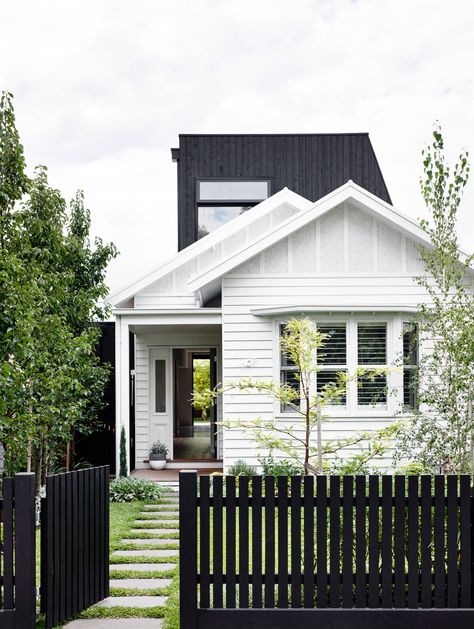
[360, 542]
[269, 597]
[256, 541]
[243, 541]
[309, 164]
[217, 563]
[204, 540]
[188, 535]
[321, 540]
[282, 541]
[295, 541]
[308, 533]
[347, 540]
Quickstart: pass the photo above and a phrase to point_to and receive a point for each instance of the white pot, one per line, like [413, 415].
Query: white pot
[157, 464]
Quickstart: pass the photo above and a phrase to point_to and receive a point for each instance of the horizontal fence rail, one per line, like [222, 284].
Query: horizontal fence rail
[350, 543]
[18, 559]
[74, 543]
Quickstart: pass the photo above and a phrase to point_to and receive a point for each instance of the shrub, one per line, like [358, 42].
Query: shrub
[123, 453]
[241, 468]
[159, 448]
[130, 488]
[280, 467]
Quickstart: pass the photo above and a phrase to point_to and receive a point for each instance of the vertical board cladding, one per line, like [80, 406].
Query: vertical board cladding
[310, 164]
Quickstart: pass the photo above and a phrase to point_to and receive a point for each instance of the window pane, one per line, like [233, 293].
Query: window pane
[211, 217]
[326, 378]
[285, 360]
[334, 350]
[409, 388]
[160, 386]
[410, 344]
[291, 378]
[232, 190]
[372, 343]
[372, 390]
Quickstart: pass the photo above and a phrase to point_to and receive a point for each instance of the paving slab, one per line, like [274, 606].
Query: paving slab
[139, 584]
[172, 515]
[133, 601]
[116, 623]
[145, 552]
[140, 541]
[155, 531]
[143, 567]
[161, 507]
[169, 523]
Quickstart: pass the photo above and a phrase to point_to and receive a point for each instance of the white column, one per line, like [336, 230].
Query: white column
[122, 388]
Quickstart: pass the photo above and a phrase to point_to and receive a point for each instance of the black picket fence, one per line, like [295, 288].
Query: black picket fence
[18, 579]
[340, 551]
[74, 543]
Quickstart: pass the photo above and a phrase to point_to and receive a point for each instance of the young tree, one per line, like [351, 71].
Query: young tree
[51, 281]
[440, 434]
[302, 439]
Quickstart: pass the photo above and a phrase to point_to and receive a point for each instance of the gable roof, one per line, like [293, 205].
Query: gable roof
[284, 198]
[348, 192]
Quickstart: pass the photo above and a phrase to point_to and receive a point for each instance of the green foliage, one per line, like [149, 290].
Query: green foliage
[241, 468]
[201, 384]
[51, 287]
[123, 454]
[159, 448]
[280, 467]
[130, 488]
[440, 435]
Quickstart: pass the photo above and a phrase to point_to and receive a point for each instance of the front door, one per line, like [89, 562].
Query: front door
[161, 411]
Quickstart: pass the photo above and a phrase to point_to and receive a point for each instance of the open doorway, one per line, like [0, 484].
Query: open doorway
[194, 428]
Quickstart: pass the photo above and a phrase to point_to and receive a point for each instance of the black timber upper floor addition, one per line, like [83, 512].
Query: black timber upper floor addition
[311, 165]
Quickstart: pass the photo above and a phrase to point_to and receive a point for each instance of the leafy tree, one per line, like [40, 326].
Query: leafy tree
[51, 284]
[201, 383]
[440, 434]
[301, 440]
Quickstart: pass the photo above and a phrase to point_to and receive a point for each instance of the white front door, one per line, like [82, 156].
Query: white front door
[161, 411]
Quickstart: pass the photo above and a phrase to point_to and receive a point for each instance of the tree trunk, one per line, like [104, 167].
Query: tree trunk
[319, 432]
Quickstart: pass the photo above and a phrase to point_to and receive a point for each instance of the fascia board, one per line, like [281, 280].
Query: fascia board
[298, 309]
[281, 198]
[349, 192]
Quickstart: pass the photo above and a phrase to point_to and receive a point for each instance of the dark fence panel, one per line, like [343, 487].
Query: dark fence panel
[378, 550]
[74, 543]
[18, 578]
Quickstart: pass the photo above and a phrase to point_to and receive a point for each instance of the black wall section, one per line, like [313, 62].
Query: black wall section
[311, 165]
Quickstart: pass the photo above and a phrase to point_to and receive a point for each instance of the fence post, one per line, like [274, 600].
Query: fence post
[188, 548]
[25, 555]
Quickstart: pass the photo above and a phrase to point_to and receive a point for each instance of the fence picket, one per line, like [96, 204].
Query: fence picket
[282, 541]
[204, 537]
[230, 568]
[257, 541]
[425, 547]
[217, 554]
[347, 540]
[360, 521]
[386, 545]
[269, 598]
[413, 584]
[243, 541]
[321, 541]
[399, 597]
[296, 541]
[438, 540]
[7, 516]
[308, 525]
[451, 540]
[374, 600]
[465, 558]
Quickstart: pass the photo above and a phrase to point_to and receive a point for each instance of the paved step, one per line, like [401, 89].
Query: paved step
[155, 531]
[139, 584]
[116, 623]
[143, 567]
[161, 514]
[139, 541]
[158, 552]
[166, 523]
[160, 507]
[133, 601]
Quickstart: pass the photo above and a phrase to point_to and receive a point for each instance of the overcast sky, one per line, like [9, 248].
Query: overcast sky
[103, 88]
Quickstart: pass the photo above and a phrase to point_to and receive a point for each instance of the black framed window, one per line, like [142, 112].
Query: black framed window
[221, 200]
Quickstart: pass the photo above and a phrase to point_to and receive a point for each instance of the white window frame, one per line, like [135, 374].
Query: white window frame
[394, 376]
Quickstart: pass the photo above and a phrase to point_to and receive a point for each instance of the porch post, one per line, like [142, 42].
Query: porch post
[122, 388]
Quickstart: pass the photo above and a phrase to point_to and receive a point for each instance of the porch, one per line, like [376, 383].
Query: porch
[158, 355]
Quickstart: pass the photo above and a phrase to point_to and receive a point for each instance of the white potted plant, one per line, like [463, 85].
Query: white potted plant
[157, 457]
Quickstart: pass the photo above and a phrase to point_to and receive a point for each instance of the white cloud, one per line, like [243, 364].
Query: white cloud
[104, 88]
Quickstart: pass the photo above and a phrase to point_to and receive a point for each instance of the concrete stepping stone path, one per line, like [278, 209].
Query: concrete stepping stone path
[142, 567]
[140, 602]
[140, 541]
[146, 552]
[139, 584]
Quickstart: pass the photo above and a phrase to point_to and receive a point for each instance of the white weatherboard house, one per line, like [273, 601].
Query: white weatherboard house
[347, 261]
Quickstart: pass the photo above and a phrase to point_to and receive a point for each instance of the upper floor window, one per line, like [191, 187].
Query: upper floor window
[219, 201]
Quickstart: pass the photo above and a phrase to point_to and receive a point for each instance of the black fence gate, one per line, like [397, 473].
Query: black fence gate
[326, 552]
[18, 580]
[74, 543]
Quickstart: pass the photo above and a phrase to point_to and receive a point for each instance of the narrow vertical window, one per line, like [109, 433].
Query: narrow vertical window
[289, 374]
[332, 360]
[372, 355]
[160, 386]
[410, 365]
